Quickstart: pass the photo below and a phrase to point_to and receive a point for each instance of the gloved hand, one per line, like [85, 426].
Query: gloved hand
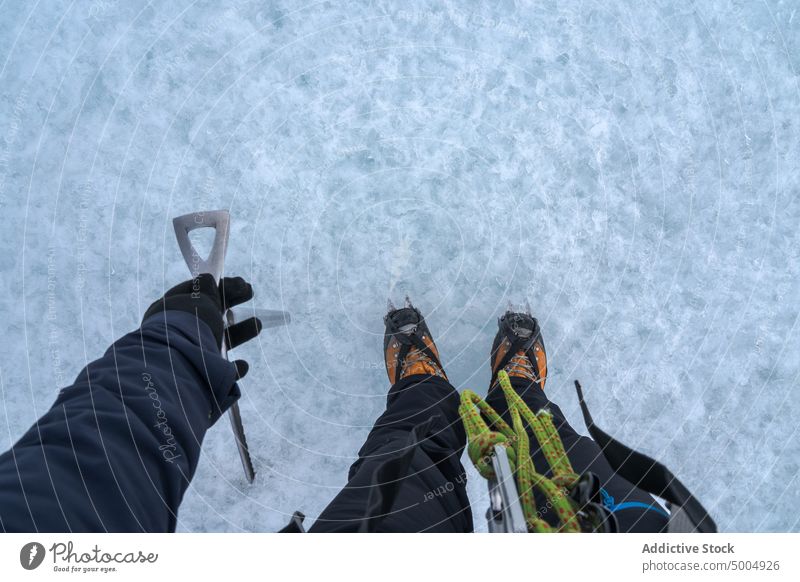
[207, 300]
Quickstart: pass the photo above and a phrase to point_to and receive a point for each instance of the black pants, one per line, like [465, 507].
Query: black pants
[430, 494]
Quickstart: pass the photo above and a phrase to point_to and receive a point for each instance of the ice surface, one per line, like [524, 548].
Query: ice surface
[630, 168]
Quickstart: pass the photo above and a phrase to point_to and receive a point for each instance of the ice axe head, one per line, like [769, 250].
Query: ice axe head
[214, 263]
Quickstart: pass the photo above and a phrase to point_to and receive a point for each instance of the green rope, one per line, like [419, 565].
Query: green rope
[478, 416]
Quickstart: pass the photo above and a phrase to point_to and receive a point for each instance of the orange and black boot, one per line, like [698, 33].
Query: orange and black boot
[518, 348]
[408, 346]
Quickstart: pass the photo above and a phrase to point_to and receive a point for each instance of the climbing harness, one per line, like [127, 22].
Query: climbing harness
[501, 454]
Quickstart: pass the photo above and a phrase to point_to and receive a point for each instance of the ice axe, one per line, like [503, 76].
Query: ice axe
[214, 264]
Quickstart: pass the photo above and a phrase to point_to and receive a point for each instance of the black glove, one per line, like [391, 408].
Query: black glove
[207, 300]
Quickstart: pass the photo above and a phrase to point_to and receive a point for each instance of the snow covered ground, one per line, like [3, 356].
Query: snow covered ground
[631, 168]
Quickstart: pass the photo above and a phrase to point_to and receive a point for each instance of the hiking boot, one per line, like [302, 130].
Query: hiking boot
[408, 346]
[518, 349]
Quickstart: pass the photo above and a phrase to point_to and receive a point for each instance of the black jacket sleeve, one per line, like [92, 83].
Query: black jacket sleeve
[118, 448]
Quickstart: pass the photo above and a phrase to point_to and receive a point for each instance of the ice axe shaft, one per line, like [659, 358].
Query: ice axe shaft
[214, 264]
